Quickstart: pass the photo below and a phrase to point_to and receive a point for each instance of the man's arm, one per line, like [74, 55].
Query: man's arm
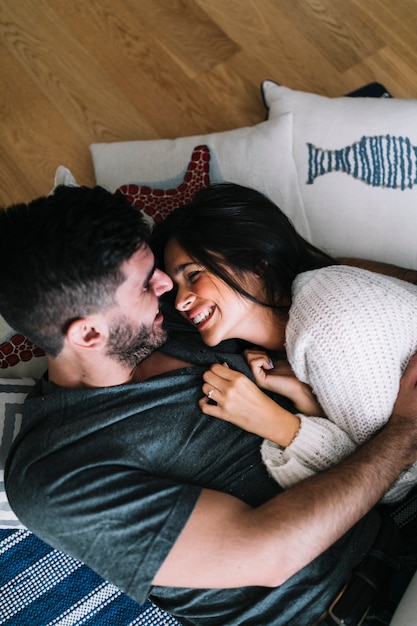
[403, 273]
[226, 543]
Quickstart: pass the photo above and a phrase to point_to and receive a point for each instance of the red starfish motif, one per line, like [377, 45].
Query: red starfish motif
[158, 203]
[16, 350]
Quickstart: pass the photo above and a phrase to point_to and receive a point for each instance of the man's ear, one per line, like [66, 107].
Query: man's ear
[88, 332]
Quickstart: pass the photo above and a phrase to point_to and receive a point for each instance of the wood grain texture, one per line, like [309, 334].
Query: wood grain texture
[73, 73]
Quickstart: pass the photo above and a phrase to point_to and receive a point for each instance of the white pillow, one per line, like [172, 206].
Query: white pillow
[18, 356]
[13, 392]
[365, 211]
[161, 174]
[63, 176]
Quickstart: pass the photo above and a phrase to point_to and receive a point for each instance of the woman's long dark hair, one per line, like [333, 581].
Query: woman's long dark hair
[230, 228]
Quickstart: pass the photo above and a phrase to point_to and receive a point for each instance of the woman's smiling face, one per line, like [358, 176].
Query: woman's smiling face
[215, 309]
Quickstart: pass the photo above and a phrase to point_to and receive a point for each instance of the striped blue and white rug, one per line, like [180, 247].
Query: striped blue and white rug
[40, 586]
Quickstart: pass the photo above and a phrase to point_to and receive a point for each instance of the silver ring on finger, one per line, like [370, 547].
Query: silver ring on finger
[210, 394]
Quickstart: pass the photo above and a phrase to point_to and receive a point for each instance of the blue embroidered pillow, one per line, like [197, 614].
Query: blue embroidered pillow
[356, 161]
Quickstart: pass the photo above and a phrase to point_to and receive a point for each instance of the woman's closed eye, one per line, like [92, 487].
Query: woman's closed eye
[192, 276]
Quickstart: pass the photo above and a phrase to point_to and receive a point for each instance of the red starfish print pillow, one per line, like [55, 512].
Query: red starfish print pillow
[158, 202]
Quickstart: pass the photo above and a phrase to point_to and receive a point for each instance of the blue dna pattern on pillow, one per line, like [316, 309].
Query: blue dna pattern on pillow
[379, 161]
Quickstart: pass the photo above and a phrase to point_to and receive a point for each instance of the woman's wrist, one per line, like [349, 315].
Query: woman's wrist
[284, 428]
[307, 403]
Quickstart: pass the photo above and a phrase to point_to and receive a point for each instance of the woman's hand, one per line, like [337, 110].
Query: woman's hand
[278, 376]
[239, 401]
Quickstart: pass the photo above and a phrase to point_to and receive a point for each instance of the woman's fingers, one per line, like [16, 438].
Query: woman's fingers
[209, 392]
[258, 359]
[219, 383]
[215, 380]
[218, 375]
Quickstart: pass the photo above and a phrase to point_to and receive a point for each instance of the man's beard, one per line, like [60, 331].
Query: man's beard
[129, 344]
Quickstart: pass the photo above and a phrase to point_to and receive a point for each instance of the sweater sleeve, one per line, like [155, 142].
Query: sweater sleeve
[349, 336]
[318, 444]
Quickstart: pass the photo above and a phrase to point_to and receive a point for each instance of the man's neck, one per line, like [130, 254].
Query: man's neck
[75, 373]
[157, 363]
[108, 373]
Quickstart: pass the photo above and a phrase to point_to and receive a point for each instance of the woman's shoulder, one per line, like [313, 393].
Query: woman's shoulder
[342, 304]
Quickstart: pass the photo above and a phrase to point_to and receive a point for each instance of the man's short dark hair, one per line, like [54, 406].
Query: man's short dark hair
[60, 259]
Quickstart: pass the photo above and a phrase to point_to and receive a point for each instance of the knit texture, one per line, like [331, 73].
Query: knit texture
[350, 335]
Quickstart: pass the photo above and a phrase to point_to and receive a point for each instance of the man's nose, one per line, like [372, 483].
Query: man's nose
[162, 282]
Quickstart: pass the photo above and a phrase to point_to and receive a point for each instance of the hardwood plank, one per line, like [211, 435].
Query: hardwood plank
[277, 50]
[184, 29]
[141, 69]
[72, 80]
[234, 95]
[334, 28]
[34, 137]
[395, 73]
[397, 23]
[13, 181]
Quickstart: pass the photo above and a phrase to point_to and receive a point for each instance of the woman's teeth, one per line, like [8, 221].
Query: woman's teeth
[201, 317]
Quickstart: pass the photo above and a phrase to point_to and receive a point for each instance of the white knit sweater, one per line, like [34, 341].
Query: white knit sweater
[350, 335]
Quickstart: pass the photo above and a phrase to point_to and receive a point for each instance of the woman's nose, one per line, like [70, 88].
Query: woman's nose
[184, 299]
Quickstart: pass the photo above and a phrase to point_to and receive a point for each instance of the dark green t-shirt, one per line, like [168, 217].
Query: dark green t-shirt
[111, 475]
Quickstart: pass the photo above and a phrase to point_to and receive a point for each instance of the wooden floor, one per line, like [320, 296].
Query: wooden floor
[73, 72]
